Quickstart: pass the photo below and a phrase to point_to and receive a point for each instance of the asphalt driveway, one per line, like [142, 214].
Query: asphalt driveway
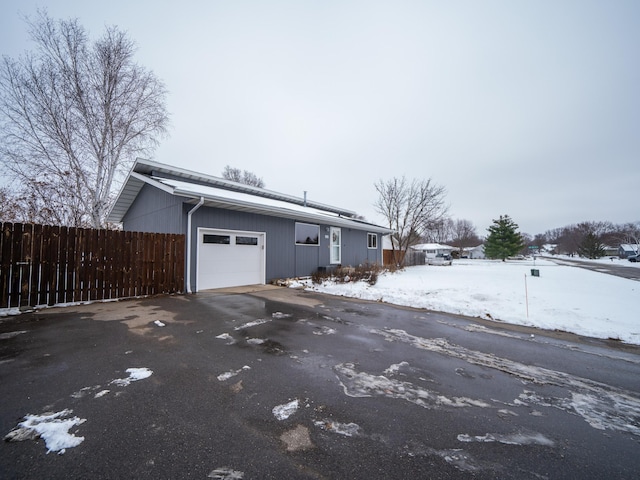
[277, 383]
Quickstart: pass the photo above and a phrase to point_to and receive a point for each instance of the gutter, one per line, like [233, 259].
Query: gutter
[198, 205]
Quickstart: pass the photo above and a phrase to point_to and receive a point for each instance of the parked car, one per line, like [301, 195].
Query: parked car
[440, 259]
[634, 258]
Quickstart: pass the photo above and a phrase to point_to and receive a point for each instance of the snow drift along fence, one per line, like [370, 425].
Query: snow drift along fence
[48, 265]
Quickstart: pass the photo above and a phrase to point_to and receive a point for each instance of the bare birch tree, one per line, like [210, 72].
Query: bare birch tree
[410, 208]
[73, 117]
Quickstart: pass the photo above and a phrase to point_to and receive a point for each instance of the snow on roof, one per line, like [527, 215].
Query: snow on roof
[432, 246]
[218, 192]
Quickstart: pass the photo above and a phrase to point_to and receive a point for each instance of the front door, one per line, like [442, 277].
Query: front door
[335, 245]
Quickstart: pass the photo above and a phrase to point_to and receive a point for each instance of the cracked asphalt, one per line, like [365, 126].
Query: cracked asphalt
[279, 383]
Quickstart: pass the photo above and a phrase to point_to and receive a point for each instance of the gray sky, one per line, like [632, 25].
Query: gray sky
[526, 108]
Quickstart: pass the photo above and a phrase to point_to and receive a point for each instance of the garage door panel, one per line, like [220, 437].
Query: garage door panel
[229, 258]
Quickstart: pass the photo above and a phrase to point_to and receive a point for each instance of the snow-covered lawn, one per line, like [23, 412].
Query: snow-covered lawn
[564, 298]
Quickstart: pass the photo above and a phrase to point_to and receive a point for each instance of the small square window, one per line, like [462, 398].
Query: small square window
[246, 240]
[372, 240]
[217, 239]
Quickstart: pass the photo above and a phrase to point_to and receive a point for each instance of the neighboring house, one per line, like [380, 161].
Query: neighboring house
[241, 235]
[626, 250]
[474, 252]
[433, 249]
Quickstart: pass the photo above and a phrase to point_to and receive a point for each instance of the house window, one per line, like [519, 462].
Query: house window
[307, 234]
[218, 239]
[246, 240]
[372, 240]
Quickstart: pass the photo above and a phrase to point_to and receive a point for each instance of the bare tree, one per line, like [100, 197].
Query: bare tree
[245, 177]
[440, 231]
[73, 117]
[409, 207]
[464, 235]
[9, 206]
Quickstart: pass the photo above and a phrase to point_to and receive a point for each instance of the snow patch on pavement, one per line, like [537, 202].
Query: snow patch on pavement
[226, 473]
[53, 428]
[324, 330]
[346, 429]
[254, 323]
[284, 411]
[226, 336]
[227, 375]
[362, 384]
[599, 404]
[135, 374]
[508, 439]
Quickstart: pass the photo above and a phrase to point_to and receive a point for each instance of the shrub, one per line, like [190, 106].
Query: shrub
[368, 273]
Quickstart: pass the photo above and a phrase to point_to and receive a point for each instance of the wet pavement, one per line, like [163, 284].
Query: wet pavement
[278, 383]
[617, 268]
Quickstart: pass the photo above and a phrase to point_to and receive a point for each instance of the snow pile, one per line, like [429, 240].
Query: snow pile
[563, 297]
[135, 374]
[53, 428]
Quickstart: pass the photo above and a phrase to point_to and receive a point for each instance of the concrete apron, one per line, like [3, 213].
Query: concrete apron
[294, 296]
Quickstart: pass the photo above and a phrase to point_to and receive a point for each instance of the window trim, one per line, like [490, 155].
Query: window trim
[333, 248]
[373, 236]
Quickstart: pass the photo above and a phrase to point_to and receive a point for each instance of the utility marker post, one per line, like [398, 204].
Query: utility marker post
[526, 295]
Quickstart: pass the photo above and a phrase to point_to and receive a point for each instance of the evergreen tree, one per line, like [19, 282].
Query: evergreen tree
[591, 247]
[503, 240]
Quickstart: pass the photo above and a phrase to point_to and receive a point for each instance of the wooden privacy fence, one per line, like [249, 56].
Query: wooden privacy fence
[48, 265]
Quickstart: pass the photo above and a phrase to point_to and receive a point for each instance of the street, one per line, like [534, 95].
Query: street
[624, 270]
[279, 383]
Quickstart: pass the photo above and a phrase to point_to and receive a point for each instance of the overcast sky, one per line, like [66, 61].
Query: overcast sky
[526, 108]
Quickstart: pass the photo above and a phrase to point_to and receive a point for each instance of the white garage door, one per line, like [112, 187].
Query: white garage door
[229, 258]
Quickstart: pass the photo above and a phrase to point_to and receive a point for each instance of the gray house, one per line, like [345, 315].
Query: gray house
[241, 235]
[626, 250]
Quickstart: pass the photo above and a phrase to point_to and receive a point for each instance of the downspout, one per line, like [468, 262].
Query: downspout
[198, 205]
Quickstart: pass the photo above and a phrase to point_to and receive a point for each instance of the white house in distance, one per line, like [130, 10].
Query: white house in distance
[431, 250]
[474, 252]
